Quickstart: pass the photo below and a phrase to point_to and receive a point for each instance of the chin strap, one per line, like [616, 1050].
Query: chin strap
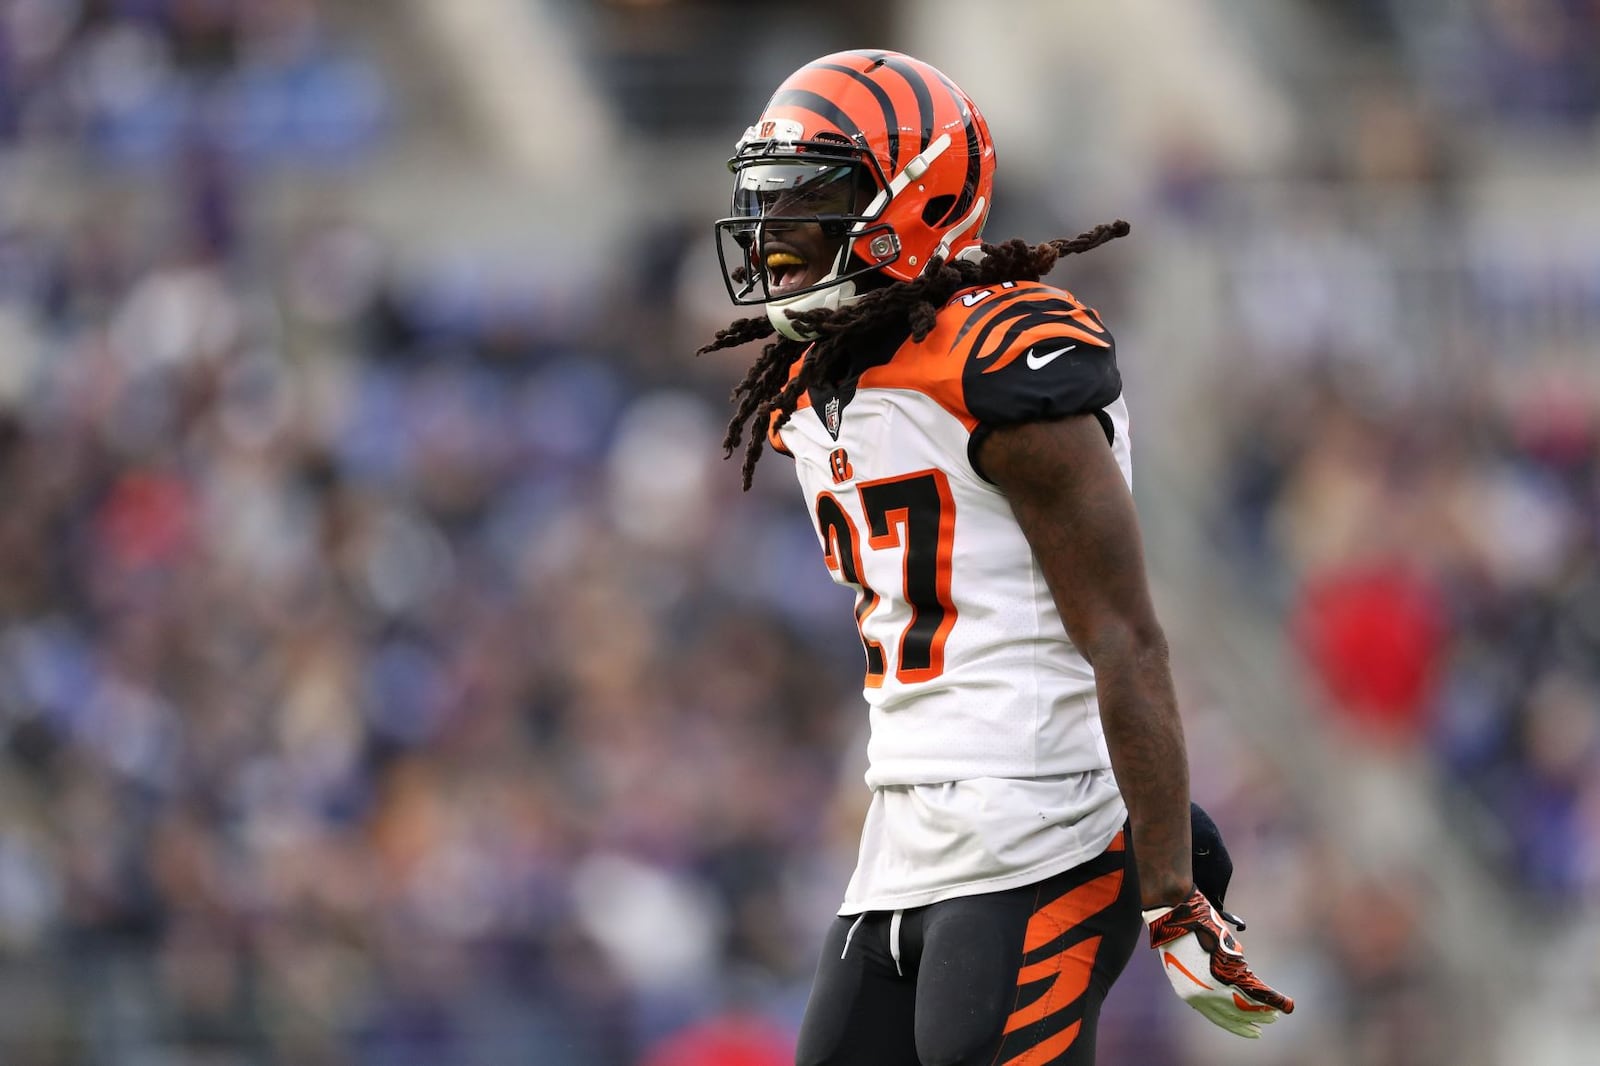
[829, 299]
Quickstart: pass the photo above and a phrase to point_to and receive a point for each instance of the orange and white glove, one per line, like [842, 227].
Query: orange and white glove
[1207, 969]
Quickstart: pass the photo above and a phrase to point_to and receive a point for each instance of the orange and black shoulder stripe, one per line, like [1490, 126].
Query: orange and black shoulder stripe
[1002, 322]
[1011, 353]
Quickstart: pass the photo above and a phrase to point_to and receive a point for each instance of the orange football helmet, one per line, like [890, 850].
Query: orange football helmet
[880, 149]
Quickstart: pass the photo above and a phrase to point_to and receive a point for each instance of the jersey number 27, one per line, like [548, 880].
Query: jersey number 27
[916, 514]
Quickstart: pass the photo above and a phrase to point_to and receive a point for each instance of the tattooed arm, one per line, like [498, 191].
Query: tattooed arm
[1076, 511]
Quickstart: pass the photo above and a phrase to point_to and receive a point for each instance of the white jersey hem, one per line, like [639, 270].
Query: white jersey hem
[977, 836]
[976, 888]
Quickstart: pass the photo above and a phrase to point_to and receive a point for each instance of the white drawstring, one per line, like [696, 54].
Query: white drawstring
[894, 938]
[859, 919]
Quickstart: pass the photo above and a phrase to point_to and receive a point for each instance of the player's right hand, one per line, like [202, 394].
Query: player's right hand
[1206, 967]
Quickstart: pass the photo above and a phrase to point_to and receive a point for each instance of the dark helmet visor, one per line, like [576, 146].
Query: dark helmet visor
[799, 190]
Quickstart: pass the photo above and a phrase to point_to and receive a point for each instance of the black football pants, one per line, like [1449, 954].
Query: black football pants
[1012, 978]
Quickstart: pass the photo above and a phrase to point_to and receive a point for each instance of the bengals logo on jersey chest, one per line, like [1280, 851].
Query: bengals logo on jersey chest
[839, 464]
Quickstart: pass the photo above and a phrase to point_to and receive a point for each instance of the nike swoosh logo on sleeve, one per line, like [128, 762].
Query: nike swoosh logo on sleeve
[1039, 362]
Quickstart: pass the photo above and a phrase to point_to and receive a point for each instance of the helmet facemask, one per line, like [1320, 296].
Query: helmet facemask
[782, 187]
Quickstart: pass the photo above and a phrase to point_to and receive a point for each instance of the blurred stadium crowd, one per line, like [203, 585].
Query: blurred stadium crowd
[390, 672]
[1440, 561]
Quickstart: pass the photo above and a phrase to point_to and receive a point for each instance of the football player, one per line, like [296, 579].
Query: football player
[961, 441]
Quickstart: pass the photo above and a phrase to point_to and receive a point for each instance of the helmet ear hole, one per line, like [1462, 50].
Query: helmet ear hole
[934, 211]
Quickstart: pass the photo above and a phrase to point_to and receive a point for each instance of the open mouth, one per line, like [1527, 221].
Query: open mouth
[786, 271]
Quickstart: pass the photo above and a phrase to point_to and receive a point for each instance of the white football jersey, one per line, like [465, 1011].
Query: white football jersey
[970, 672]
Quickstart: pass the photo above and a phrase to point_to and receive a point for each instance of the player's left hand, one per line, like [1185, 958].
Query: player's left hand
[1207, 968]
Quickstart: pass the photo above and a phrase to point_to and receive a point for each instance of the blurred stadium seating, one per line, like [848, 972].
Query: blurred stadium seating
[391, 672]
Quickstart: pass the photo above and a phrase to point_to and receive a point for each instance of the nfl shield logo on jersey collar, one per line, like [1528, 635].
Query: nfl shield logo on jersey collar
[830, 417]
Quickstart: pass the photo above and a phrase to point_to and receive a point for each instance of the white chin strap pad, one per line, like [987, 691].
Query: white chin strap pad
[831, 298]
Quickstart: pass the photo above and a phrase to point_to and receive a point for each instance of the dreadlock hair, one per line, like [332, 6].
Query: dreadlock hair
[908, 308]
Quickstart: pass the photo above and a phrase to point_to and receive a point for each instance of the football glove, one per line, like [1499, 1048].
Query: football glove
[1206, 967]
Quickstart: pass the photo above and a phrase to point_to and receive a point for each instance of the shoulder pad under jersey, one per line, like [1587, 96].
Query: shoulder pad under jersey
[1029, 352]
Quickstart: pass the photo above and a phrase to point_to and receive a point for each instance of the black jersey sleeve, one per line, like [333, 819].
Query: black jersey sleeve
[1039, 358]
